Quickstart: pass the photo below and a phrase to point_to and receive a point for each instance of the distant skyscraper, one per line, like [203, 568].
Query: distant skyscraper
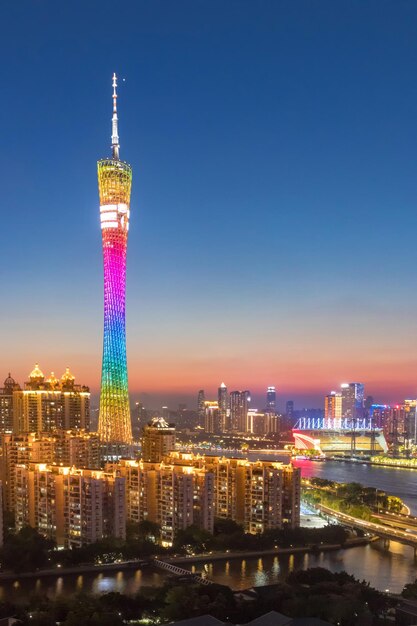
[289, 411]
[368, 402]
[114, 181]
[410, 407]
[333, 405]
[223, 400]
[352, 400]
[212, 418]
[200, 406]
[239, 406]
[271, 400]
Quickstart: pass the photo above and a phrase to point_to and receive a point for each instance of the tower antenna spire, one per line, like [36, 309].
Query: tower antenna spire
[115, 133]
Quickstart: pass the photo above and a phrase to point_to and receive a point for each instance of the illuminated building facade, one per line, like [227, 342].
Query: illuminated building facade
[6, 404]
[257, 494]
[271, 400]
[114, 182]
[200, 406]
[175, 494]
[186, 489]
[410, 407]
[47, 404]
[223, 401]
[73, 448]
[212, 418]
[352, 400]
[158, 440]
[71, 506]
[262, 423]
[239, 406]
[333, 405]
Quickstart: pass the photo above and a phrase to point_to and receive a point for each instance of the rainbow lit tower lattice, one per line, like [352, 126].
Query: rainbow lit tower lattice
[114, 183]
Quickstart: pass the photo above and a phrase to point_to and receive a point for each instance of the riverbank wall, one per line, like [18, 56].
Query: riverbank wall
[197, 558]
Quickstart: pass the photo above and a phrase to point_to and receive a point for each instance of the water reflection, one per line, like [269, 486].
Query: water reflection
[385, 568]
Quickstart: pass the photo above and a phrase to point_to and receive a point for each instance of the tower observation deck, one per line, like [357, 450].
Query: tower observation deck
[114, 184]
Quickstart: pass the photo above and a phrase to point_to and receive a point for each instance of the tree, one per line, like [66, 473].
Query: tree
[196, 538]
[180, 603]
[25, 551]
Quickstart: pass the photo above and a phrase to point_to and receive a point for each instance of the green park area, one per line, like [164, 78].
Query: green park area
[350, 498]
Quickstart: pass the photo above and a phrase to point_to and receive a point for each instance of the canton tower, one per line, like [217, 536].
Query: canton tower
[114, 184]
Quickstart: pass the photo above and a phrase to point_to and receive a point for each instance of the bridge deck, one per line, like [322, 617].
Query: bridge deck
[380, 530]
[180, 571]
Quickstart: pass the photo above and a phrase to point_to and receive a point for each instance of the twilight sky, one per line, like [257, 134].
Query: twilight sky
[274, 205]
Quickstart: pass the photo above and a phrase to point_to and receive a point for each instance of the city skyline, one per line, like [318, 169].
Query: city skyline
[273, 185]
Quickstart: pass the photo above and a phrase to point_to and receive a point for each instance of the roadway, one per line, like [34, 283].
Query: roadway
[380, 530]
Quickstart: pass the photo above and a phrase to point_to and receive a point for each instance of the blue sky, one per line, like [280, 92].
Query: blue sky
[274, 197]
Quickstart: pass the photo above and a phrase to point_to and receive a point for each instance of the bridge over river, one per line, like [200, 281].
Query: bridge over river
[385, 531]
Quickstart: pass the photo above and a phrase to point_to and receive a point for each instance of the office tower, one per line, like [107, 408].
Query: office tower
[158, 440]
[44, 405]
[71, 506]
[114, 181]
[379, 413]
[239, 406]
[367, 404]
[223, 400]
[271, 400]
[352, 400]
[289, 411]
[256, 422]
[411, 417]
[212, 418]
[6, 404]
[262, 423]
[200, 406]
[333, 405]
[396, 427]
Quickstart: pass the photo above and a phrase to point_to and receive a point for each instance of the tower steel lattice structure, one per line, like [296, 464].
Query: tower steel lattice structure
[114, 183]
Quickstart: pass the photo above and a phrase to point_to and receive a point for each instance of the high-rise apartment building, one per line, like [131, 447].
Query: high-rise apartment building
[72, 448]
[352, 400]
[6, 404]
[114, 181]
[223, 400]
[239, 406]
[271, 400]
[257, 494]
[158, 440]
[175, 493]
[187, 489]
[333, 405]
[47, 404]
[71, 506]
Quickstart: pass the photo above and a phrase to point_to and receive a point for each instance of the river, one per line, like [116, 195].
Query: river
[384, 569]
